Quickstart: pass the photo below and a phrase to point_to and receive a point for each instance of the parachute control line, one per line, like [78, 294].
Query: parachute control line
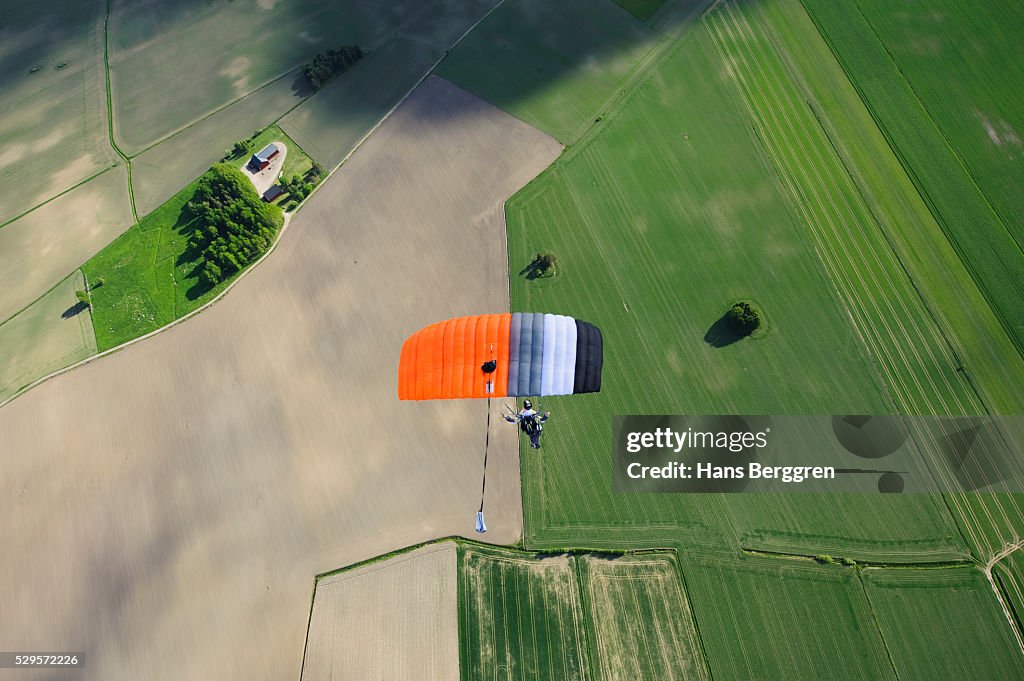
[516, 354]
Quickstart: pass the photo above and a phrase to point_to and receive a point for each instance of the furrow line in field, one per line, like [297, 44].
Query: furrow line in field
[998, 505]
[878, 248]
[880, 351]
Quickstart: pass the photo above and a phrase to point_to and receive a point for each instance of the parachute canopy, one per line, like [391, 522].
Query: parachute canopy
[501, 355]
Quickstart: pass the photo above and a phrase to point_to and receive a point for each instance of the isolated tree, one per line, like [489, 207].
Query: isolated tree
[99, 281]
[743, 319]
[83, 297]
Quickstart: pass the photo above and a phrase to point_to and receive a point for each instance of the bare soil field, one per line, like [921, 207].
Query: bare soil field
[167, 507]
[43, 247]
[393, 619]
[52, 333]
[53, 119]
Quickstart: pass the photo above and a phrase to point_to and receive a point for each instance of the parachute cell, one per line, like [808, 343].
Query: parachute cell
[533, 354]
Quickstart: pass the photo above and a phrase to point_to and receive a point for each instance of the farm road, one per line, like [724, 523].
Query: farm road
[165, 508]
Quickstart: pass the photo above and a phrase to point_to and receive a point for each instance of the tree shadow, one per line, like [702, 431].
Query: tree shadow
[197, 290]
[720, 334]
[536, 269]
[74, 310]
[301, 87]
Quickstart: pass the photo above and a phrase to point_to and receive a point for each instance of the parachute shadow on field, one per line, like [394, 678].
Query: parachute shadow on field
[720, 334]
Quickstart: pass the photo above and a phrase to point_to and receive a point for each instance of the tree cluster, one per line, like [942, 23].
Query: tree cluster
[235, 226]
[299, 187]
[743, 319]
[328, 64]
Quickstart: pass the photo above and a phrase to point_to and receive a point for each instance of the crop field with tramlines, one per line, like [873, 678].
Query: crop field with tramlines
[958, 59]
[661, 218]
[930, 126]
[640, 622]
[581, 616]
[520, 617]
[914, 353]
[943, 623]
[796, 620]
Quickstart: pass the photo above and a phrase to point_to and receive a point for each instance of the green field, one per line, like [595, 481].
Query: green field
[783, 619]
[640, 622]
[966, 63]
[554, 65]
[914, 352]
[52, 333]
[993, 257]
[53, 125]
[519, 617]
[151, 279]
[943, 624]
[660, 220]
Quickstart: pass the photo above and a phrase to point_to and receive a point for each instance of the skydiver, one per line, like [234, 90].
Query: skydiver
[530, 422]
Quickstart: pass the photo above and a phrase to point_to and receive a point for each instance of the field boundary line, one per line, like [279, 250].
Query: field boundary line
[154, 332]
[223, 107]
[110, 111]
[989, 566]
[586, 621]
[280, 233]
[915, 180]
[878, 627]
[681, 578]
[58, 195]
[917, 565]
[265, 84]
[963, 164]
[830, 203]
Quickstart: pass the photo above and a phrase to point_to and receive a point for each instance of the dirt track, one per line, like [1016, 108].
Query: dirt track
[165, 508]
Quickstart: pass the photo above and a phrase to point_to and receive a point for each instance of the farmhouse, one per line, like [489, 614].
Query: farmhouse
[273, 193]
[261, 160]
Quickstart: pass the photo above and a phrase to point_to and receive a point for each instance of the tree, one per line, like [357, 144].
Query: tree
[241, 148]
[234, 227]
[545, 262]
[328, 64]
[316, 172]
[83, 297]
[211, 274]
[99, 281]
[743, 319]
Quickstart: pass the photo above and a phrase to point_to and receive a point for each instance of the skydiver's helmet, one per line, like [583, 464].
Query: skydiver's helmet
[527, 404]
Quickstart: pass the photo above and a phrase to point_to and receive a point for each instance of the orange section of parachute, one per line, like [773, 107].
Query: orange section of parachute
[445, 360]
